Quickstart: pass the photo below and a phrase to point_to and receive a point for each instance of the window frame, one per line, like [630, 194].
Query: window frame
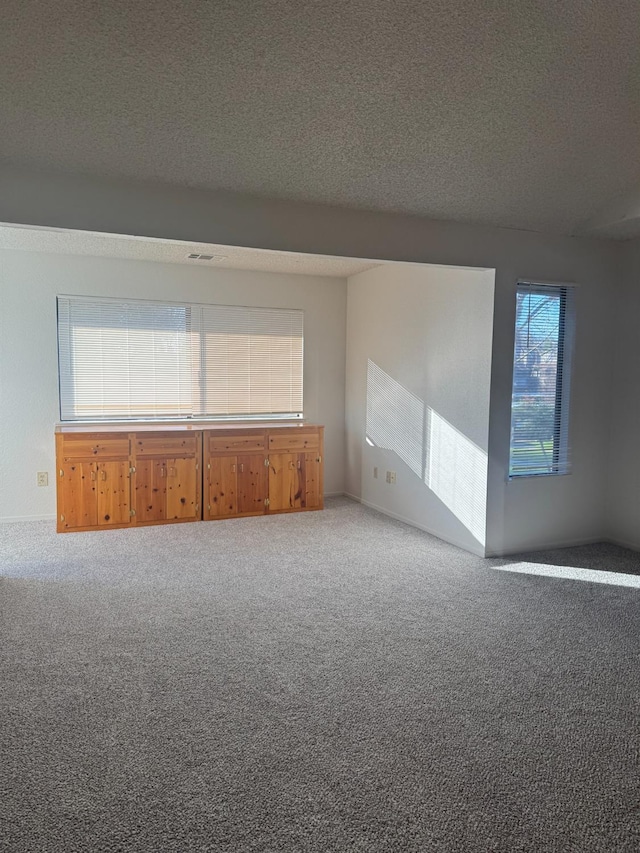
[561, 459]
[199, 381]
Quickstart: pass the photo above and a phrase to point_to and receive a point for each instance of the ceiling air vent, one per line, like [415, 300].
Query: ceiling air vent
[194, 256]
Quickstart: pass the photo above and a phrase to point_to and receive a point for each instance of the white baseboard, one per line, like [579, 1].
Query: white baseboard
[632, 546]
[547, 546]
[479, 552]
[17, 519]
[544, 546]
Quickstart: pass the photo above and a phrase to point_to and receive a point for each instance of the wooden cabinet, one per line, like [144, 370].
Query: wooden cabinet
[94, 487]
[166, 489]
[94, 494]
[237, 485]
[115, 478]
[123, 480]
[166, 477]
[256, 471]
[293, 481]
[235, 481]
[295, 469]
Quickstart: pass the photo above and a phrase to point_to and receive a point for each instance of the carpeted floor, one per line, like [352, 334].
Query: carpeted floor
[329, 681]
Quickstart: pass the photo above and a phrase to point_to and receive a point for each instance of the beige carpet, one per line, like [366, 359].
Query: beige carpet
[329, 681]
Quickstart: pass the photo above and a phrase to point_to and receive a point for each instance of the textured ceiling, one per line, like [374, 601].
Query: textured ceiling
[59, 241]
[518, 114]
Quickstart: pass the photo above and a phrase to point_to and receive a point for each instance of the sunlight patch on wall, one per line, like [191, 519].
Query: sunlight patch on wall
[572, 573]
[445, 460]
[456, 472]
[395, 418]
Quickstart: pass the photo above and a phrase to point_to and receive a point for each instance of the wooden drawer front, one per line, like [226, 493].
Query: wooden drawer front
[236, 443]
[166, 445]
[295, 440]
[95, 446]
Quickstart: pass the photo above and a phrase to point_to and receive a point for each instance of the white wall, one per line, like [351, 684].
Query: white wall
[623, 493]
[520, 515]
[418, 389]
[29, 284]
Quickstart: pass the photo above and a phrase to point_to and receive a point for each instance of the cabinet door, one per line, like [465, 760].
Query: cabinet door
[78, 495]
[252, 484]
[294, 481]
[113, 493]
[312, 480]
[182, 488]
[285, 483]
[222, 493]
[150, 494]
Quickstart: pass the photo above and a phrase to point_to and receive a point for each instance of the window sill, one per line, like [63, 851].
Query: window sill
[168, 425]
[541, 476]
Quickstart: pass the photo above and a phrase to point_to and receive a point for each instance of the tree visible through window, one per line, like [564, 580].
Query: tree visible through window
[539, 404]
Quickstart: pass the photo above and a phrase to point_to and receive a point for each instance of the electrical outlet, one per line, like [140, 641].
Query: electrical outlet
[391, 477]
[43, 478]
[375, 473]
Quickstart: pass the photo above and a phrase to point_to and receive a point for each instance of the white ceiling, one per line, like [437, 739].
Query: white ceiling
[60, 241]
[492, 111]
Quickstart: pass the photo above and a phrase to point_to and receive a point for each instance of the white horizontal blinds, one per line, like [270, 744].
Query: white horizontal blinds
[124, 359]
[251, 361]
[127, 359]
[539, 408]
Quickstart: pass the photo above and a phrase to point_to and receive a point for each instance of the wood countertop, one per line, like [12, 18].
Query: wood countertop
[158, 426]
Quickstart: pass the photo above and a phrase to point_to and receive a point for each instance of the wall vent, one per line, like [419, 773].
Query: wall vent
[195, 256]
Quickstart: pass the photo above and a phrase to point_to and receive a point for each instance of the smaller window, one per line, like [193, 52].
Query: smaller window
[541, 375]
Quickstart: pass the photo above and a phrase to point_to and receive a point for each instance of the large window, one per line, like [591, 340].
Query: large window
[541, 374]
[131, 360]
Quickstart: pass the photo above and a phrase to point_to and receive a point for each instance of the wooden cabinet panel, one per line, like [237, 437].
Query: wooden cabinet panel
[282, 474]
[168, 476]
[294, 481]
[296, 439]
[150, 490]
[93, 495]
[154, 476]
[237, 486]
[252, 484]
[166, 490]
[313, 497]
[77, 495]
[144, 479]
[285, 482]
[182, 488]
[113, 493]
[236, 444]
[95, 446]
[222, 496]
[168, 444]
